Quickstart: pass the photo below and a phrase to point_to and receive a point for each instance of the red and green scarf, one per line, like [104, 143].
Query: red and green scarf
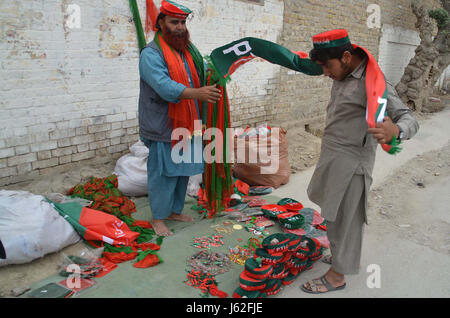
[376, 92]
[184, 113]
[222, 62]
[375, 81]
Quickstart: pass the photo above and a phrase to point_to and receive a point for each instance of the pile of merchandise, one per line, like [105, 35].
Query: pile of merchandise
[206, 282]
[280, 260]
[214, 263]
[106, 197]
[294, 218]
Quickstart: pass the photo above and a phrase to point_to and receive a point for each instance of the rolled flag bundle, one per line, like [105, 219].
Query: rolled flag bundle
[375, 82]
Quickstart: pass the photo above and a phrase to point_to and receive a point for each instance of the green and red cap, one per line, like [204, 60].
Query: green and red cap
[307, 247]
[266, 257]
[257, 270]
[241, 293]
[272, 210]
[291, 220]
[293, 206]
[250, 284]
[274, 287]
[330, 39]
[276, 243]
[278, 271]
[174, 10]
[294, 242]
[289, 279]
[286, 201]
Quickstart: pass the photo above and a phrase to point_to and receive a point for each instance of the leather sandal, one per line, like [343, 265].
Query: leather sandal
[322, 281]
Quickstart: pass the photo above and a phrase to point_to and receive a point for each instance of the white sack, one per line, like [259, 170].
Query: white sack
[31, 228]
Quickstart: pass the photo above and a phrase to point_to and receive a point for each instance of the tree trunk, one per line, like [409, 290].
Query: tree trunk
[431, 59]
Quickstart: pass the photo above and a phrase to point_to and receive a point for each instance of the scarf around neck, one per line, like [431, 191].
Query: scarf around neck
[184, 113]
[376, 91]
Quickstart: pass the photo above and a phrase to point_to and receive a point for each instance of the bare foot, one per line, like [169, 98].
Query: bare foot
[180, 217]
[161, 229]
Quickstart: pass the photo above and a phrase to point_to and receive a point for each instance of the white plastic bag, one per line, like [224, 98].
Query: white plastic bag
[131, 171]
[31, 228]
[194, 185]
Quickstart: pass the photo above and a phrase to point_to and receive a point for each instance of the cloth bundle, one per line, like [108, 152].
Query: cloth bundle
[105, 194]
[280, 260]
[107, 198]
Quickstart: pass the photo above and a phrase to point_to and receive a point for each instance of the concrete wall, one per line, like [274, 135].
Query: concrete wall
[397, 47]
[69, 87]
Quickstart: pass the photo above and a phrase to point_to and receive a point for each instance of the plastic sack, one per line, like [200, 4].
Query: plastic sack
[131, 171]
[31, 228]
[61, 198]
[262, 160]
[194, 185]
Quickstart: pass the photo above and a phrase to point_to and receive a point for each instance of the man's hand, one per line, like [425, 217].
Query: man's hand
[385, 131]
[208, 94]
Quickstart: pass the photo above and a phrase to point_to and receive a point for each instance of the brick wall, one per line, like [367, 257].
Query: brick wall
[69, 93]
[304, 99]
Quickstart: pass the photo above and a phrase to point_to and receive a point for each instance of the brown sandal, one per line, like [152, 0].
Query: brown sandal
[314, 288]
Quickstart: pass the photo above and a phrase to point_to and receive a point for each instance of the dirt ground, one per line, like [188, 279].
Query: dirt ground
[398, 201]
[304, 148]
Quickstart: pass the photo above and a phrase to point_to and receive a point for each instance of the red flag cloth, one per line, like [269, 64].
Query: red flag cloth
[148, 246]
[149, 261]
[119, 257]
[213, 290]
[242, 187]
[107, 267]
[151, 16]
[105, 227]
[144, 224]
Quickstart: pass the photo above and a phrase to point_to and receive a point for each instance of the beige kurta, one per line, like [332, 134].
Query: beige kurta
[347, 148]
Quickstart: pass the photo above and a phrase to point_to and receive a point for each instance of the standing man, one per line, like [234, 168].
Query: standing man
[171, 71]
[343, 175]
